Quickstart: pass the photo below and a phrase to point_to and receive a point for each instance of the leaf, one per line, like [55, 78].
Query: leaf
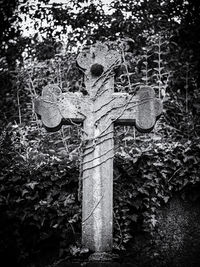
[166, 199]
[32, 185]
[153, 220]
[24, 192]
[158, 164]
[145, 79]
[158, 69]
[84, 250]
[156, 137]
[69, 200]
[128, 138]
[52, 151]
[197, 106]
[143, 191]
[74, 250]
[133, 217]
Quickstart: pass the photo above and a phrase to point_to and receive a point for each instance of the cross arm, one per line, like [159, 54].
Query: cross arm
[141, 110]
[54, 106]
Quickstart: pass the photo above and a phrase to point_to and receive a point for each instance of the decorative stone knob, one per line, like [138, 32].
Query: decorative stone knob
[96, 70]
[98, 59]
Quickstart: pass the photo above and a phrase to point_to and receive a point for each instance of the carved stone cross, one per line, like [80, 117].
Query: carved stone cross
[98, 111]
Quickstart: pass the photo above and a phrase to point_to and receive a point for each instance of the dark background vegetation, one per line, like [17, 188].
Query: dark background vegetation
[156, 175]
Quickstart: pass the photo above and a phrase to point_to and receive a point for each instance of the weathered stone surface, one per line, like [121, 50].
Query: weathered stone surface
[175, 241]
[98, 54]
[178, 236]
[47, 106]
[141, 110]
[97, 183]
[98, 111]
[54, 106]
[149, 109]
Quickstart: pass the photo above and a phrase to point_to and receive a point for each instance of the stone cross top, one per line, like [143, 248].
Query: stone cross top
[98, 111]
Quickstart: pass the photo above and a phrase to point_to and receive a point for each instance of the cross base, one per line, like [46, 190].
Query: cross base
[103, 257]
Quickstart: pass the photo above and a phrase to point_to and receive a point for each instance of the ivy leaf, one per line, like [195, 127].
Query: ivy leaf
[133, 217]
[158, 69]
[128, 138]
[153, 220]
[166, 199]
[74, 250]
[143, 191]
[24, 192]
[32, 185]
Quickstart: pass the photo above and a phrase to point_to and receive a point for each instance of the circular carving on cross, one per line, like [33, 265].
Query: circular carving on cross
[98, 59]
[96, 70]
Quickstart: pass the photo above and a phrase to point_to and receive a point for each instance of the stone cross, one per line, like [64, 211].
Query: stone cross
[99, 110]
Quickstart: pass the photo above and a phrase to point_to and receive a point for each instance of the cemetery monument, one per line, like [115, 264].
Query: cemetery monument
[98, 111]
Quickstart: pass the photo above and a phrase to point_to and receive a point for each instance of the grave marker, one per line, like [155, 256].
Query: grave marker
[98, 111]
